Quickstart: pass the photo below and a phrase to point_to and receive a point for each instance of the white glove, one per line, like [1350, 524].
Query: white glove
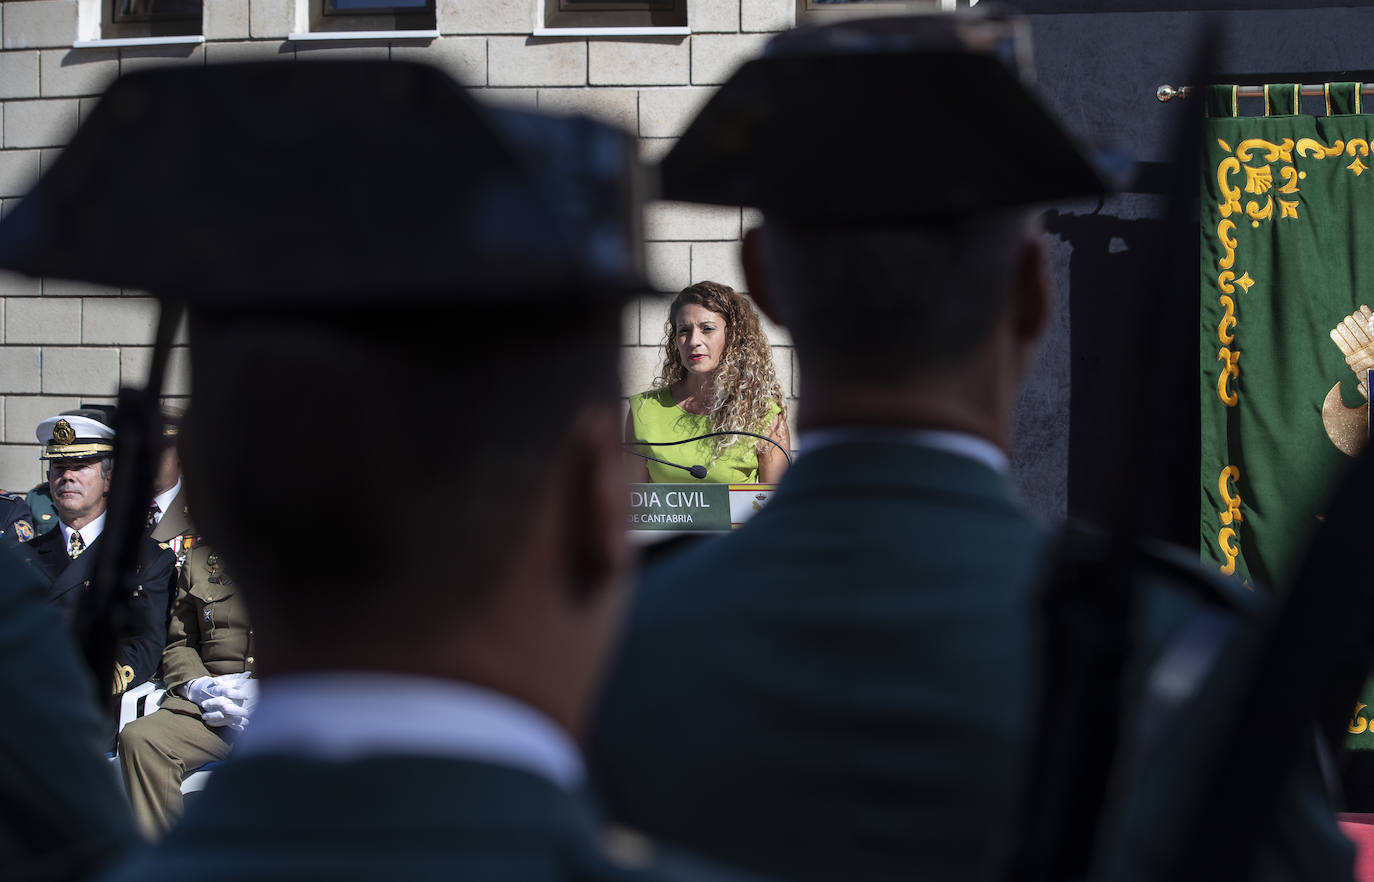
[224, 698]
[219, 711]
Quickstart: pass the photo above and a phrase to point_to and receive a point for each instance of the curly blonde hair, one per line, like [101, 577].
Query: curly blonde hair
[745, 382]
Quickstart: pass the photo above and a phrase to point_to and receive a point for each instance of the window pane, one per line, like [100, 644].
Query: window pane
[156, 10]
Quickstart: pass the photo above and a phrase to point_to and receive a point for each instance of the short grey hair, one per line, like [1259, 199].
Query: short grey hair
[879, 306]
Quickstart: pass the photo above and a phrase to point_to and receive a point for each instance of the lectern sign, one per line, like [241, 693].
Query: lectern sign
[697, 506]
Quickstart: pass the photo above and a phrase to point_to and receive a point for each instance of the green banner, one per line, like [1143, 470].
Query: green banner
[1287, 267]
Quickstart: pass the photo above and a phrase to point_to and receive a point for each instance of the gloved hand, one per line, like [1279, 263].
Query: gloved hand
[226, 700]
[219, 711]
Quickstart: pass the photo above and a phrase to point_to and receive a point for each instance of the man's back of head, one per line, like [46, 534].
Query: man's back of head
[446, 320]
[860, 703]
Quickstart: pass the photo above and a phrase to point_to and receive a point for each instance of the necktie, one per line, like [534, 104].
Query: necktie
[153, 511]
[78, 546]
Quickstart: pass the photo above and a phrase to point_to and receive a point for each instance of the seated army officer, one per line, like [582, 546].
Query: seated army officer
[420, 713]
[78, 448]
[169, 515]
[206, 668]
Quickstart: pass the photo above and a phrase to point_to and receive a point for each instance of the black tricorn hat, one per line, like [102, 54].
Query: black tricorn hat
[333, 183]
[881, 121]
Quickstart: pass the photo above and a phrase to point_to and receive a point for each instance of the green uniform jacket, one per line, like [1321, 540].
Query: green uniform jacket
[209, 633]
[39, 500]
[62, 812]
[394, 817]
[839, 689]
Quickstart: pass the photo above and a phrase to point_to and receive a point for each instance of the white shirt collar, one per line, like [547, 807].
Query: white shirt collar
[958, 443]
[342, 716]
[164, 500]
[89, 533]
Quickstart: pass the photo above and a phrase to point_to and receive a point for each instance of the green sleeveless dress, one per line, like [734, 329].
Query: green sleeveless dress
[658, 418]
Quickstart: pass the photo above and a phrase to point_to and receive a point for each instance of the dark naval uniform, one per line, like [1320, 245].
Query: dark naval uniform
[209, 635]
[16, 521]
[137, 656]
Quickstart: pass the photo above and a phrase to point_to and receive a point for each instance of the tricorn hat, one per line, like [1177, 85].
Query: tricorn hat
[881, 122]
[335, 183]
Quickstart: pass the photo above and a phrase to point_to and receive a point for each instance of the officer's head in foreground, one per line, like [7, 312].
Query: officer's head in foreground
[78, 447]
[896, 162]
[404, 422]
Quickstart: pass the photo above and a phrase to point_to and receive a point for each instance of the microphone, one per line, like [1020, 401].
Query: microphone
[696, 471]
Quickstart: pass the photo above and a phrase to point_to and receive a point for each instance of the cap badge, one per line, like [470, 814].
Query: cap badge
[63, 433]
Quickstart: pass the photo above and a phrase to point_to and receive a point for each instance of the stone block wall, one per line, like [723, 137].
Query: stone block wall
[62, 343]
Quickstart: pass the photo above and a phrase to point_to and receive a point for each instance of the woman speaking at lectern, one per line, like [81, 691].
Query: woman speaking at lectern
[717, 377]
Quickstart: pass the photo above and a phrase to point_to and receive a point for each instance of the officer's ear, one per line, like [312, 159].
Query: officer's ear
[1031, 303]
[595, 503]
[756, 275]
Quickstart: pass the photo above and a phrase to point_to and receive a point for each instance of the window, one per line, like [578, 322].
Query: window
[144, 19]
[344, 16]
[615, 14]
[156, 10]
[821, 11]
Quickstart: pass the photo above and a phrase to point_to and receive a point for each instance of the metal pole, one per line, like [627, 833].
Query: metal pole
[1167, 92]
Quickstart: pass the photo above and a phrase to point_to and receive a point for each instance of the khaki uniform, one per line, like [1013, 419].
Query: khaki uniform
[209, 635]
[175, 531]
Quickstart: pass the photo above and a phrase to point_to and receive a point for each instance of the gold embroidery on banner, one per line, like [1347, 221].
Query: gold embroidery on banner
[1232, 513]
[1228, 321]
[1258, 214]
[1313, 147]
[1225, 279]
[1291, 176]
[1224, 145]
[1357, 167]
[1272, 152]
[1288, 209]
[1226, 541]
[1231, 195]
[1228, 241]
[1258, 179]
[1231, 360]
[1358, 724]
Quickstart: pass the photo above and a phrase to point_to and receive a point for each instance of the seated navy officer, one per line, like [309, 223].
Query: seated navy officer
[39, 499]
[420, 714]
[78, 448]
[841, 689]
